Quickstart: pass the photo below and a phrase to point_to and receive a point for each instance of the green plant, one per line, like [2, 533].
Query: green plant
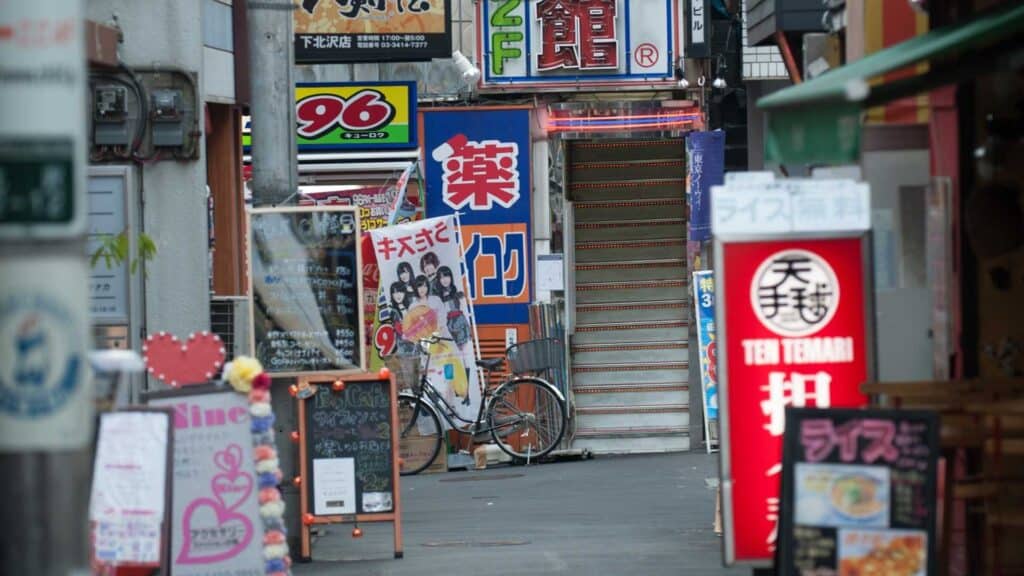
[114, 251]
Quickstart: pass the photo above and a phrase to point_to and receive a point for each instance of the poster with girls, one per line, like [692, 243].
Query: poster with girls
[422, 293]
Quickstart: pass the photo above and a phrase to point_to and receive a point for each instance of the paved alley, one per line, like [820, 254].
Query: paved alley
[638, 515]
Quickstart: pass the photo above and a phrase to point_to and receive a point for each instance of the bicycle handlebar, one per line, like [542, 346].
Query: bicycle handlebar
[435, 339]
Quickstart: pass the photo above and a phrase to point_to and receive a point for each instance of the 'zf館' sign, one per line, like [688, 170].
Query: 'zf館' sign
[586, 43]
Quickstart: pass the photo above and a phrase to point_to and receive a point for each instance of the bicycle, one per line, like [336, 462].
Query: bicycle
[526, 416]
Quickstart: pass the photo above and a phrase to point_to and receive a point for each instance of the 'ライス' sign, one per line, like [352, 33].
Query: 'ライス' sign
[477, 163]
[352, 116]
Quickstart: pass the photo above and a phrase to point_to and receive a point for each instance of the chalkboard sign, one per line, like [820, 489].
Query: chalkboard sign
[859, 492]
[306, 294]
[349, 453]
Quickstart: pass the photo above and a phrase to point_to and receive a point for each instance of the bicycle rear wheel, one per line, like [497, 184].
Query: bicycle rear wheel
[527, 418]
[420, 434]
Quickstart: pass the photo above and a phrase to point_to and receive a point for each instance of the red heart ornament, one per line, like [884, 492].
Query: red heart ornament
[177, 363]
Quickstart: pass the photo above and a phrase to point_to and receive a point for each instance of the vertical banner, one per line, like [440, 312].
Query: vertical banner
[704, 296]
[705, 152]
[422, 294]
[859, 492]
[698, 29]
[478, 164]
[793, 319]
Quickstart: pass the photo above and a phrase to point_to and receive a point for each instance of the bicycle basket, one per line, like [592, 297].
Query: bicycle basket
[407, 371]
[535, 356]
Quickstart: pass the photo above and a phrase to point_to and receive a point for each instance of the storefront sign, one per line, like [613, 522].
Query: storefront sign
[704, 296]
[698, 22]
[578, 42]
[705, 155]
[478, 164]
[421, 273]
[859, 492]
[794, 317]
[343, 116]
[216, 527]
[372, 30]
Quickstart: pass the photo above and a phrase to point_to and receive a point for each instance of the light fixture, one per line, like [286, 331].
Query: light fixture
[470, 73]
[683, 83]
[718, 83]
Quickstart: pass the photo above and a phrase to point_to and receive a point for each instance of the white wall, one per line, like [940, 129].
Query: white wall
[902, 297]
[169, 33]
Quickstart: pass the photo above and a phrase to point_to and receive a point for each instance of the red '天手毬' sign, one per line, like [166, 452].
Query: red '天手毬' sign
[794, 320]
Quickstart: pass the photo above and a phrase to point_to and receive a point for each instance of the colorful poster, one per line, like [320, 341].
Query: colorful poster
[351, 116]
[339, 31]
[477, 163]
[705, 165]
[859, 492]
[423, 294]
[704, 297]
[216, 526]
[582, 43]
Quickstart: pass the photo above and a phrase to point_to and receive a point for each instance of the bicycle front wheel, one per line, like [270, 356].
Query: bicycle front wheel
[527, 418]
[420, 434]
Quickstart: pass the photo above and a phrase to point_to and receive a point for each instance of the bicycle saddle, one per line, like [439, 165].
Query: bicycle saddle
[490, 363]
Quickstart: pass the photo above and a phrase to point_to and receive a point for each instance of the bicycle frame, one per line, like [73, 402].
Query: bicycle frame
[448, 412]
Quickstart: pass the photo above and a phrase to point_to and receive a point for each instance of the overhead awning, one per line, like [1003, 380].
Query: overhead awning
[819, 121]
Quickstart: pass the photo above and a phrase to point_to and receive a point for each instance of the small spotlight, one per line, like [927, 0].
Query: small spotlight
[718, 83]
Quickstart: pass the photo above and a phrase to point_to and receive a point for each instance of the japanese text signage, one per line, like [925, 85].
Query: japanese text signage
[704, 295]
[306, 290]
[859, 492]
[372, 30]
[577, 41]
[478, 163]
[792, 316]
[216, 527]
[705, 152]
[698, 21]
[342, 116]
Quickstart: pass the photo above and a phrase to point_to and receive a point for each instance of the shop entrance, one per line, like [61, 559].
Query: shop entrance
[629, 347]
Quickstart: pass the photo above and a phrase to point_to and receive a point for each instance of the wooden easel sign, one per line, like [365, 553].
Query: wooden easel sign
[130, 501]
[348, 454]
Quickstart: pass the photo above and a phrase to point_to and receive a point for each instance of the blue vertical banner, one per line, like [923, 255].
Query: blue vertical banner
[705, 167]
[477, 163]
[704, 300]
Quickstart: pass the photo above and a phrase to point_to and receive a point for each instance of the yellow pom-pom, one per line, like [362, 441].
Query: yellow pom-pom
[243, 370]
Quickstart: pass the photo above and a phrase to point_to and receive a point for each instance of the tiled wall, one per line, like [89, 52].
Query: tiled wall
[761, 62]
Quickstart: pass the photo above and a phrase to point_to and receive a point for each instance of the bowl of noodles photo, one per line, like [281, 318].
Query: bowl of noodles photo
[857, 497]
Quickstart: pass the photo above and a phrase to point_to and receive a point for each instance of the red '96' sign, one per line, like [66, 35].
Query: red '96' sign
[362, 111]
[795, 334]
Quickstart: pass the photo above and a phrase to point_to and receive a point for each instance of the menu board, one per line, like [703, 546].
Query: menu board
[859, 492]
[306, 290]
[349, 449]
[216, 526]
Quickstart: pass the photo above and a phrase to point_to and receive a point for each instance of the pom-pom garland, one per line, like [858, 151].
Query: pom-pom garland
[246, 375]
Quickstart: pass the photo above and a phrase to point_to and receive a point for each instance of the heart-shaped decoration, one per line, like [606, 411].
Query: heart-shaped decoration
[177, 363]
[229, 459]
[230, 490]
[212, 533]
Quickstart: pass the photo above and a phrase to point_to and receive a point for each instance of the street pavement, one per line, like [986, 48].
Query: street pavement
[636, 515]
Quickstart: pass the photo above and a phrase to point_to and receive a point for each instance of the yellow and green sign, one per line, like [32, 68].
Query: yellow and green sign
[343, 116]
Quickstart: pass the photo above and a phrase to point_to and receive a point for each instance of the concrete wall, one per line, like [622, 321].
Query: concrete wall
[174, 193]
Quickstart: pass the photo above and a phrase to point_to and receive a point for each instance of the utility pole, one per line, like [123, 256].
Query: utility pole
[273, 101]
[271, 59]
[46, 401]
